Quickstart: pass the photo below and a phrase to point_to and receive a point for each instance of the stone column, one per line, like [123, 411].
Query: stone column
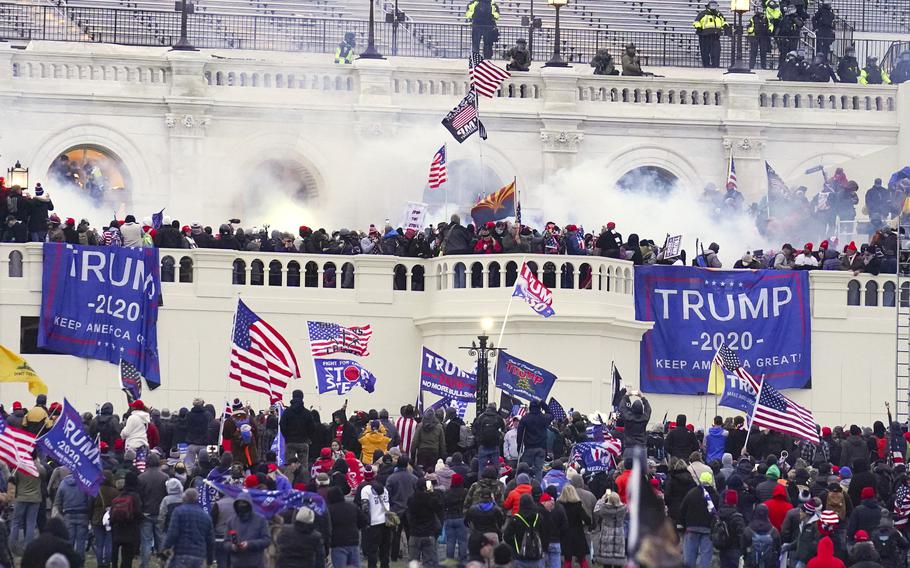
[186, 126]
[559, 143]
[743, 134]
[374, 81]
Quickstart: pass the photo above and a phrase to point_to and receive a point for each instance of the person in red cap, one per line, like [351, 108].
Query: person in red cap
[134, 433]
[486, 242]
[852, 260]
[453, 519]
[805, 260]
[728, 512]
[867, 515]
[863, 553]
[608, 242]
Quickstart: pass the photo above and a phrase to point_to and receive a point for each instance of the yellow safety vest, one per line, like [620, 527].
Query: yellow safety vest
[470, 12]
[710, 22]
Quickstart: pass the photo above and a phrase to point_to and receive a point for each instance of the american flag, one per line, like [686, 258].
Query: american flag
[731, 179]
[464, 115]
[486, 78]
[727, 358]
[776, 187]
[16, 448]
[519, 410]
[261, 359]
[556, 409]
[406, 427]
[329, 338]
[130, 381]
[776, 412]
[141, 455]
[438, 169]
[901, 505]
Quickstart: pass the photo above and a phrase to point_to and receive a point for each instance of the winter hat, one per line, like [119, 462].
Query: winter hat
[773, 472]
[251, 481]
[826, 431]
[165, 413]
[852, 248]
[828, 517]
[867, 493]
[523, 479]
[369, 473]
[706, 478]
[375, 425]
[17, 405]
[305, 516]
[860, 536]
[804, 495]
[886, 520]
[457, 480]
[237, 405]
[808, 507]
[611, 225]
[325, 453]
[845, 473]
[322, 479]
[731, 497]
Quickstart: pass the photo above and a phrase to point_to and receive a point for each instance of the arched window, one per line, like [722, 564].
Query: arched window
[167, 269]
[186, 269]
[329, 275]
[549, 275]
[15, 264]
[853, 293]
[239, 274]
[440, 276]
[400, 277]
[493, 278]
[567, 279]
[511, 273]
[905, 295]
[532, 266]
[257, 273]
[92, 171]
[477, 275]
[459, 270]
[311, 276]
[347, 275]
[417, 280]
[585, 278]
[293, 277]
[888, 294]
[871, 293]
[274, 273]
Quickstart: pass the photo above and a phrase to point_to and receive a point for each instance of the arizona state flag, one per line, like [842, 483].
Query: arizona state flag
[14, 369]
[496, 206]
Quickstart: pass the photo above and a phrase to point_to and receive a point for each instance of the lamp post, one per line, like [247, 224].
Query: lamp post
[185, 7]
[371, 52]
[484, 352]
[556, 59]
[17, 175]
[738, 65]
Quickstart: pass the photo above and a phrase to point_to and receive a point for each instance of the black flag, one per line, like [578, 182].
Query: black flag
[462, 121]
[617, 388]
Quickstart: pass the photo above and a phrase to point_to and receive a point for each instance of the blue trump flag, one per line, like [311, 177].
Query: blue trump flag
[158, 219]
[763, 315]
[341, 375]
[70, 446]
[522, 379]
[738, 394]
[270, 503]
[102, 303]
[440, 376]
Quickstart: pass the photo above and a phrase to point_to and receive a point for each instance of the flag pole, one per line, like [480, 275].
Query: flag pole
[612, 382]
[761, 385]
[445, 151]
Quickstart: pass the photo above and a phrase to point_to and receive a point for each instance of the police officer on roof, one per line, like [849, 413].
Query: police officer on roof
[873, 74]
[820, 71]
[848, 67]
[603, 63]
[823, 24]
[710, 24]
[518, 55]
[760, 30]
[483, 15]
[794, 68]
[344, 52]
[901, 71]
[788, 31]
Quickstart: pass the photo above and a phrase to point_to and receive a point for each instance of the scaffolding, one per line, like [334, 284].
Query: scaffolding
[902, 347]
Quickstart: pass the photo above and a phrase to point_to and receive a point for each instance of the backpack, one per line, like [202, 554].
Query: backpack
[488, 431]
[720, 533]
[762, 553]
[465, 437]
[531, 548]
[170, 511]
[124, 509]
[835, 502]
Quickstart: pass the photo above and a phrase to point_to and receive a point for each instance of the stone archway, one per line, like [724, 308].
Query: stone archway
[648, 179]
[92, 172]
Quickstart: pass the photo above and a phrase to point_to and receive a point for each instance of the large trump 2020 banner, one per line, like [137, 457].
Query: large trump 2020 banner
[763, 315]
[102, 303]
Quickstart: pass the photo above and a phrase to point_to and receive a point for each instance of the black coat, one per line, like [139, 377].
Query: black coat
[424, 514]
[453, 435]
[169, 237]
[297, 423]
[635, 416]
[347, 520]
[736, 440]
[679, 484]
[46, 545]
[573, 540]
[865, 517]
[37, 214]
[532, 430]
[736, 525]
[680, 442]
[300, 546]
[693, 511]
[17, 233]
[197, 426]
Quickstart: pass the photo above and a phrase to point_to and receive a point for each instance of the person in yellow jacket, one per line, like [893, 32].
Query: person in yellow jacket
[344, 51]
[36, 419]
[873, 74]
[710, 24]
[773, 12]
[483, 15]
[373, 439]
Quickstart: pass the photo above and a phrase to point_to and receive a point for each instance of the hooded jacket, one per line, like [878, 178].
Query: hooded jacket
[197, 423]
[300, 546]
[759, 525]
[424, 512]
[54, 539]
[635, 416]
[778, 505]
[105, 424]
[532, 429]
[70, 500]
[484, 483]
[430, 439]
[347, 520]
[152, 485]
[825, 558]
[852, 449]
[252, 528]
[715, 443]
[371, 441]
[297, 423]
[485, 517]
[173, 499]
[134, 431]
[680, 442]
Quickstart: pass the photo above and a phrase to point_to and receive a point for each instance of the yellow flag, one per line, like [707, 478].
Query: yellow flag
[717, 380]
[14, 369]
[905, 209]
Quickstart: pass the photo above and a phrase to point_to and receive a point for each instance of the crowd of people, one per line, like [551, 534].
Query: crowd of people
[507, 489]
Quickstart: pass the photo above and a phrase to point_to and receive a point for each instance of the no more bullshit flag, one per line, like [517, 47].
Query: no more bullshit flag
[440, 376]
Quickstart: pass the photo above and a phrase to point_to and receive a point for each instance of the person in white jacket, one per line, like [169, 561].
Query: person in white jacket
[510, 444]
[135, 431]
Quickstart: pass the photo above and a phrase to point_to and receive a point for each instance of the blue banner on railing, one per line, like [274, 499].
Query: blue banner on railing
[522, 379]
[70, 446]
[763, 315]
[102, 303]
[440, 376]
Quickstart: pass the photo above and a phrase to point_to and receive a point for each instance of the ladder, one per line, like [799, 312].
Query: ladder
[902, 323]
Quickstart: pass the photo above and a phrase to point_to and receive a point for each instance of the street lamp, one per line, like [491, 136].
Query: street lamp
[185, 7]
[738, 65]
[484, 352]
[17, 175]
[371, 51]
[395, 19]
[556, 59]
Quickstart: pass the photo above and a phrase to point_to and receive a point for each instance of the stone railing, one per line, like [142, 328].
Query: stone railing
[146, 70]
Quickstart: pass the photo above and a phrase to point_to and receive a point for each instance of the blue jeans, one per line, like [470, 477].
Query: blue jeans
[186, 561]
[151, 539]
[554, 555]
[534, 457]
[487, 456]
[25, 518]
[345, 556]
[697, 550]
[730, 558]
[102, 546]
[456, 533]
[527, 563]
[38, 236]
[77, 527]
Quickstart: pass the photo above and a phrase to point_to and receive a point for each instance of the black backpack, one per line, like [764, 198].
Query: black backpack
[720, 533]
[531, 548]
[488, 432]
[170, 511]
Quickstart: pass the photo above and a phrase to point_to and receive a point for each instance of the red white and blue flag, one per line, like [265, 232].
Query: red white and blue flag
[331, 338]
[486, 78]
[532, 290]
[731, 179]
[438, 169]
[17, 447]
[261, 358]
